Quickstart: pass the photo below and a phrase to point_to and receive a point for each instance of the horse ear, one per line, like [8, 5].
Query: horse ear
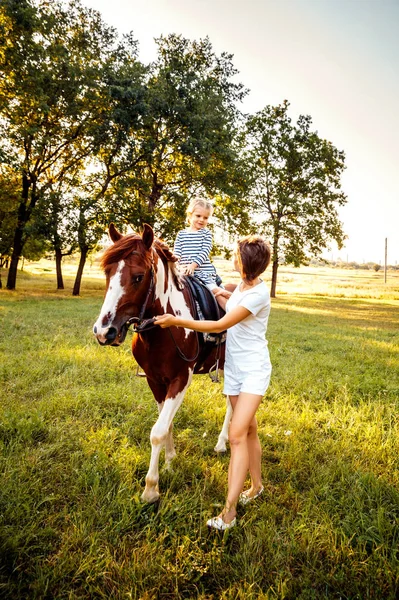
[114, 233]
[148, 236]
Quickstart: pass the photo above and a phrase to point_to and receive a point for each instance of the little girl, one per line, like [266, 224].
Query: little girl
[193, 245]
[247, 369]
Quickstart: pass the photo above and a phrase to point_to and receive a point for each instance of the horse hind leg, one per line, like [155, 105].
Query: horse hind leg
[170, 451]
[161, 434]
[224, 434]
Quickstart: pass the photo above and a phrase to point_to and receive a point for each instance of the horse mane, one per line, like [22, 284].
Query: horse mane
[166, 254]
[122, 248]
[125, 245]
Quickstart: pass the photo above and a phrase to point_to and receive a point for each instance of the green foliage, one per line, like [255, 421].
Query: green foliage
[74, 451]
[36, 246]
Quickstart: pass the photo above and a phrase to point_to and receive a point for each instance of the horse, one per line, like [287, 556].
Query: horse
[143, 280]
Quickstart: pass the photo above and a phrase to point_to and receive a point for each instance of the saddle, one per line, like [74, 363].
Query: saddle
[207, 308]
[207, 303]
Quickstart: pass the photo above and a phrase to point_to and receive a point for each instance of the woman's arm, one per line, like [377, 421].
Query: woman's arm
[222, 296]
[239, 313]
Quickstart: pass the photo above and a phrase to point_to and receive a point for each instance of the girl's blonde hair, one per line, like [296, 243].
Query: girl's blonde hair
[198, 202]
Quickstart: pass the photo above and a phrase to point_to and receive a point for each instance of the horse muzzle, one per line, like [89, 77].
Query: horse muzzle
[111, 336]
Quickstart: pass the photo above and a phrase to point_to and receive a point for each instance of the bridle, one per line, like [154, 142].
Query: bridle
[141, 325]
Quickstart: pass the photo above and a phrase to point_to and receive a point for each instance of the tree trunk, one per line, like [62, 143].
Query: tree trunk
[16, 255]
[83, 255]
[58, 268]
[275, 256]
[274, 278]
[156, 193]
[23, 217]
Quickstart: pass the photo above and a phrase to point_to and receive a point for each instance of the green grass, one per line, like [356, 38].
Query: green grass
[74, 451]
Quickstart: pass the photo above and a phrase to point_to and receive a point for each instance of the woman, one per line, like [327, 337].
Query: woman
[247, 369]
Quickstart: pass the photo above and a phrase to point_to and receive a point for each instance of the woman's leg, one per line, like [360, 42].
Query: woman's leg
[244, 448]
[255, 456]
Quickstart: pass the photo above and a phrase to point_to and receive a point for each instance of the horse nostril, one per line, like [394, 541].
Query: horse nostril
[111, 334]
[95, 328]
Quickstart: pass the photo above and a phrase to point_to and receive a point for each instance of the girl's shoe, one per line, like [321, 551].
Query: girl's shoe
[244, 499]
[218, 523]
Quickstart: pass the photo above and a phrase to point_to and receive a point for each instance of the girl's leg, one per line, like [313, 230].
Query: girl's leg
[244, 455]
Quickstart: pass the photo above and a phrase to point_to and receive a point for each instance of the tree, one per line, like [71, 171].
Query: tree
[55, 219]
[90, 230]
[51, 96]
[35, 244]
[295, 186]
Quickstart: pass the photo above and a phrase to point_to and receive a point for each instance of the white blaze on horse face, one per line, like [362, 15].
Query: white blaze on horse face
[172, 296]
[114, 294]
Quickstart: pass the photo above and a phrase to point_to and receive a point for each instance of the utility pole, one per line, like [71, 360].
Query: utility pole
[386, 255]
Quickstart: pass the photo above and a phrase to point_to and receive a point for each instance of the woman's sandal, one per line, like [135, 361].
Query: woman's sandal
[218, 523]
[244, 499]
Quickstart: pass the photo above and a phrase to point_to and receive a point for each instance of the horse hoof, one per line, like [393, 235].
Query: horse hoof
[219, 448]
[149, 497]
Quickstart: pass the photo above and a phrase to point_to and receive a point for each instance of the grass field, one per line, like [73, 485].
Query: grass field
[74, 451]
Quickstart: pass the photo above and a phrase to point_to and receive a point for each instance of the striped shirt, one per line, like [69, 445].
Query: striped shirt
[195, 246]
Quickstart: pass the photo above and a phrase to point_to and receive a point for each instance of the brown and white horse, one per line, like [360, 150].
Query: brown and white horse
[143, 281]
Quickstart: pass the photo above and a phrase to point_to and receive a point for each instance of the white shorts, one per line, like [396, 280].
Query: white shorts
[252, 381]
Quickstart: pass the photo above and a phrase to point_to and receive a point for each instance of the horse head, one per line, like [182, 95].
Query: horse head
[129, 268]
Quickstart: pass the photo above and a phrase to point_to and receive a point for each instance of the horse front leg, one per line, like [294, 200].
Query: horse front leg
[224, 434]
[161, 434]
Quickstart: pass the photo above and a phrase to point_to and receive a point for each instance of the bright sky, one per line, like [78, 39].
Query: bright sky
[336, 60]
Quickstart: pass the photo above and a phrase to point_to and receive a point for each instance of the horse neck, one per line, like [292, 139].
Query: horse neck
[167, 293]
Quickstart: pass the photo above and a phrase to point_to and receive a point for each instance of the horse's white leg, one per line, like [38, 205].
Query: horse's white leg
[224, 434]
[159, 435]
[170, 451]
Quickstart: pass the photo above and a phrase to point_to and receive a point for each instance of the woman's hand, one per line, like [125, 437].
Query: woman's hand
[220, 292]
[216, 291]
[166, 320]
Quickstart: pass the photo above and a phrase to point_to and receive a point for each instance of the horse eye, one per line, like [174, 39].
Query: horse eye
[137, 278]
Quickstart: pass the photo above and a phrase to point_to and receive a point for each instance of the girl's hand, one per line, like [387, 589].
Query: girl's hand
[191, 268]
[166, 320]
